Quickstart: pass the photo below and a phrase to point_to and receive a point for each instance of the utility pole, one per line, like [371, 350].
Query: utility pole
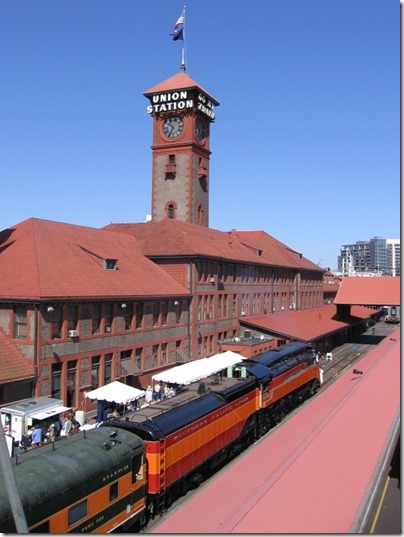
[10, 485]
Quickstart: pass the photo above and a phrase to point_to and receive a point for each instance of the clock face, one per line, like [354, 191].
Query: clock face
[199, 130]
[173, 127]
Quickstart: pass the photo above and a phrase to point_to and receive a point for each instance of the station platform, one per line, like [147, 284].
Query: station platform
[317, 471]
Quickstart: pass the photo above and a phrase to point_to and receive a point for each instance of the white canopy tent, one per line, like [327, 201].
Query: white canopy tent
[222, 361]
[116, 392]
[198, 369]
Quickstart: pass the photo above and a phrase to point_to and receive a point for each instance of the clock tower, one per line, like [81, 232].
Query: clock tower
[182, 113]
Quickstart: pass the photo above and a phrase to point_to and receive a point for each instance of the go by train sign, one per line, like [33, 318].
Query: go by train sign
[180, 100]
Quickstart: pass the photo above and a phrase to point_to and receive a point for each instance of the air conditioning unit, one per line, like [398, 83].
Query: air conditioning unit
[107, 329]
[212, 280]
[73, 333]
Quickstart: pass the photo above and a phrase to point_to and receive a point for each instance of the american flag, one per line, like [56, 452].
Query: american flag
[179, 28]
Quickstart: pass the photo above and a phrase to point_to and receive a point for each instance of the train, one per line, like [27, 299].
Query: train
[147, 459]
[88, 483]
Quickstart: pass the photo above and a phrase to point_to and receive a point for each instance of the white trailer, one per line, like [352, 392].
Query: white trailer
[17, 417]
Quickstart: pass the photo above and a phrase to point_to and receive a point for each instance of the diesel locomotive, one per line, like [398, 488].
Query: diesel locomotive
[130, 469]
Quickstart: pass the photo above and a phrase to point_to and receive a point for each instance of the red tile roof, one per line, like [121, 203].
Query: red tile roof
[170, 237]
[370, 291]
[13, 366]
[306, 325]
[275, 252]
[177, 82]
[57, 260]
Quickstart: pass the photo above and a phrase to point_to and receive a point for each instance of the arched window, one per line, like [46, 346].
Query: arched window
[171, 210]
[200, 215]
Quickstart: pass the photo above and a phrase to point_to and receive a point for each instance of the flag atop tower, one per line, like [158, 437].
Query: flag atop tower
[179, 28]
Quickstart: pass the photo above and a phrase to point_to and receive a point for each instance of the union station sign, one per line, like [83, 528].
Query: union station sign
[180, 100]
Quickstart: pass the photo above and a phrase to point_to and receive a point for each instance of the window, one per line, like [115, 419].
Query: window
[95, 371]
[199, 308]
[109, 313]
[71, 382]
[56, 381]
[178, 312]
[205, 308]
[137, 468]
[56, 322]
[139, 314]
[200, 215]
[138, 355]
[170, 211]
[170, 167]
[155, 354]
[113, 491]
[163, 353]
[108, 368]
[126, 355]
[164, 313]
[72, 317]
[110, 264]
[128, 316]
[155, 313]
[20, 322]
[77, 513]
[96, 319]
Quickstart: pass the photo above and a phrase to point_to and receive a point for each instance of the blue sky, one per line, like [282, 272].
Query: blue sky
[306, 142]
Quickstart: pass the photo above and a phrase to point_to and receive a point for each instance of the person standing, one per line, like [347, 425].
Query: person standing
[26, 440]
[157, 394]
[67, 426]
[36, 437]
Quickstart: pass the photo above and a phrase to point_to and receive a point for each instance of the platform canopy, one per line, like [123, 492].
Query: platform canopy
[116, 392]
[198, 369]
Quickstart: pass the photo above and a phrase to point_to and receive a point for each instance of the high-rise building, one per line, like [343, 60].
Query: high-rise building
[394, 256]
[378, 255]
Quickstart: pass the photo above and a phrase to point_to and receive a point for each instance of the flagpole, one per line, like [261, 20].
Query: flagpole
[183, 67]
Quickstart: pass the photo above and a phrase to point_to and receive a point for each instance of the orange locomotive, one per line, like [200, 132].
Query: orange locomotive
[108, 477]
[190, 435]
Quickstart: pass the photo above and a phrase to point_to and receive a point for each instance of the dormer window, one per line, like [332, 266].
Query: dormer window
[110, 264]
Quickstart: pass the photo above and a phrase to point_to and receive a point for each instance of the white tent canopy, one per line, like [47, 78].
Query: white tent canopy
[116, 392]
[198, 369]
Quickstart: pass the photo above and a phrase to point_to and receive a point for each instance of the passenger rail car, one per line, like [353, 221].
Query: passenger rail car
[93, 482]
[189, 435]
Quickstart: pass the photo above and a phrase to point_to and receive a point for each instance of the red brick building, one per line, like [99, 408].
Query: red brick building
[80, 307]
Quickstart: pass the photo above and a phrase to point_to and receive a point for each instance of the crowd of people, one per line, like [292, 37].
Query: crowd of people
[49, 430]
